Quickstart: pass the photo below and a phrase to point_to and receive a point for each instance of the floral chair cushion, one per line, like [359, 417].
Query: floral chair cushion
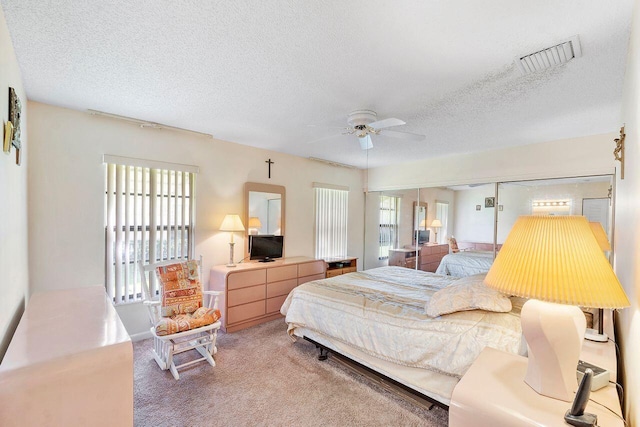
[180, 288]
[203, 316]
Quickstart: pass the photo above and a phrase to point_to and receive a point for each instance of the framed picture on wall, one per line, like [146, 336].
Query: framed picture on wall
[489, 202]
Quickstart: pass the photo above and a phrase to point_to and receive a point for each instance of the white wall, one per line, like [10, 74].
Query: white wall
[14, 273]
[66, 183]
[589, 155]
[627, 232]
[469, 224]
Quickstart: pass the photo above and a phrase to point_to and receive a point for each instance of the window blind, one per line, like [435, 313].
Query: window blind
[388, 231]
[331, 222]
[149, 215]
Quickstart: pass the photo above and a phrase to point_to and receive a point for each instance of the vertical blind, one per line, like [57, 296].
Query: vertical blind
[388, 233]
[442, 213]
[150, 216]
[331, 222]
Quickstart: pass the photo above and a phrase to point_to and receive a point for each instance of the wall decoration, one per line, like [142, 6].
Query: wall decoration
[478, 207]
[489, 202]
[618, 152]
[8, 133]
[15, 110]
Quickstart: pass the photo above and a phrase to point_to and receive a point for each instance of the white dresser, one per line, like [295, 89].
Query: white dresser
[70, 362]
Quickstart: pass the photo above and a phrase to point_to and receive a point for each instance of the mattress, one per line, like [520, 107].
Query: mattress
[378, 318]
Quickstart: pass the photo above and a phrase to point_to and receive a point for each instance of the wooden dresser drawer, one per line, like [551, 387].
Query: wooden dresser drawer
[245, 312]
[245, 295]
[335, 272]
[277, 274]
[349, 270]
[281, 288]
[244, 279]
[306, 279]
[274, 304]
[311, 268]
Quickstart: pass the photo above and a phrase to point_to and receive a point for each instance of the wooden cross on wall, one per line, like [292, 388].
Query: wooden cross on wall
[270, 163]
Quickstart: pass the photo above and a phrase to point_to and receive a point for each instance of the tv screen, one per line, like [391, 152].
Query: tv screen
[265, 248]
[423, 236]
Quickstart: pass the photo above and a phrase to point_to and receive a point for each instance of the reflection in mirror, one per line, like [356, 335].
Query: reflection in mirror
[588, 196]
[420, 223]
[264, 209]
[388, 225]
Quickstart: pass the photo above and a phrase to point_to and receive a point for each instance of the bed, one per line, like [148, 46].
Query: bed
[465, 263]
[377, 318]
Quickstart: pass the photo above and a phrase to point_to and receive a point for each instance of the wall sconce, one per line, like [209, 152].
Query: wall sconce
[618, 152]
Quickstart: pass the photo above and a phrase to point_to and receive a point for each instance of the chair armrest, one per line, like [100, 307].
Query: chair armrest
[151, 303]
[213, 298]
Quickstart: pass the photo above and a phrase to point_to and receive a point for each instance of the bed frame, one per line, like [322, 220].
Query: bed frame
[382, 380]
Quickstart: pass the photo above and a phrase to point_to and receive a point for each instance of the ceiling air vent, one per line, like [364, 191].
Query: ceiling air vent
[550, 57]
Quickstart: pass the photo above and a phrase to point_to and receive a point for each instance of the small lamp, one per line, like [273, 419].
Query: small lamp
[254, 225]
[232, 223]
[557, 262]
[603, 242]
[436, 224]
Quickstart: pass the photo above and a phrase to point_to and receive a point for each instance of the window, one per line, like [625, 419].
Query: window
[389, 213]
[332, 204]
[149, 215]
[442, 213]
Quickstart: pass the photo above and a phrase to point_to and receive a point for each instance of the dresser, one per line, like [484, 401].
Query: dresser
[253, 292]
[341, 265]
[70, 362]
[428, 259]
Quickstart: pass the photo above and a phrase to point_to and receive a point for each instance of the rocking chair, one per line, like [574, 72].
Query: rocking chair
[180, 320]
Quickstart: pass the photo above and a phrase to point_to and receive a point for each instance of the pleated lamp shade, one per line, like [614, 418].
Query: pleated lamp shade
[436, 223]
[601, 236]
[556, 259]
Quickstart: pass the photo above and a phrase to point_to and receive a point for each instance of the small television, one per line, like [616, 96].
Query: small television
[265, 248]
[423, 236]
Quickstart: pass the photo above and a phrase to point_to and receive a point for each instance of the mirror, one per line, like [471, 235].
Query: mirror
[264, 212]
[477, 214]
[420, 225]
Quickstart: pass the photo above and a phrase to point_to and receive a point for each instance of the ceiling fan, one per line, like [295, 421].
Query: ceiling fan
[364, 123]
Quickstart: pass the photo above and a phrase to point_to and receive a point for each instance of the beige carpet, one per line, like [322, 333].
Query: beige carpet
[262, 378]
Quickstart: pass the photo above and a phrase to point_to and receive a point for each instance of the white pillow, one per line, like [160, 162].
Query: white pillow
[468, 293]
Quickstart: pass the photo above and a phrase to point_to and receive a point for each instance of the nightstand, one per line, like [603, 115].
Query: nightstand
[493, 393]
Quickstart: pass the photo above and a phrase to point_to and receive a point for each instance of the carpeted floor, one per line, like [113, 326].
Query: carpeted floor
[262, 378]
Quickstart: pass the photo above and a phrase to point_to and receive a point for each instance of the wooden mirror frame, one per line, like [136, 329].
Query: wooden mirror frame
[262, 188]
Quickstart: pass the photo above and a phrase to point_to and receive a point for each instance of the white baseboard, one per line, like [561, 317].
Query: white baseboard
[141, 336]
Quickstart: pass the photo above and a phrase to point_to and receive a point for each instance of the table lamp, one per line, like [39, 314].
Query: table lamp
[557, 263]
[436, 224]
[231, 223]
[254, 225]
[601, 236]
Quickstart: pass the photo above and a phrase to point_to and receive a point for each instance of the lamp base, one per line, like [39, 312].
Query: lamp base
[593, 335]
[231, 264]
[554, 334]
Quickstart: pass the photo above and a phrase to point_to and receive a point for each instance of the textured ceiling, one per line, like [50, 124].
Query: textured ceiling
[260, 72]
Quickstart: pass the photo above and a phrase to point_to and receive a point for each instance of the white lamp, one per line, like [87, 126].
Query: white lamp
[254, 225]
[557, 261]
[232, 223]
[436, 224]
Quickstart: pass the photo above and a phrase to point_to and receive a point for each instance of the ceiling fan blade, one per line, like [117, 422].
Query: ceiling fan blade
[403, 135]
[386, 123]
[365, 142]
